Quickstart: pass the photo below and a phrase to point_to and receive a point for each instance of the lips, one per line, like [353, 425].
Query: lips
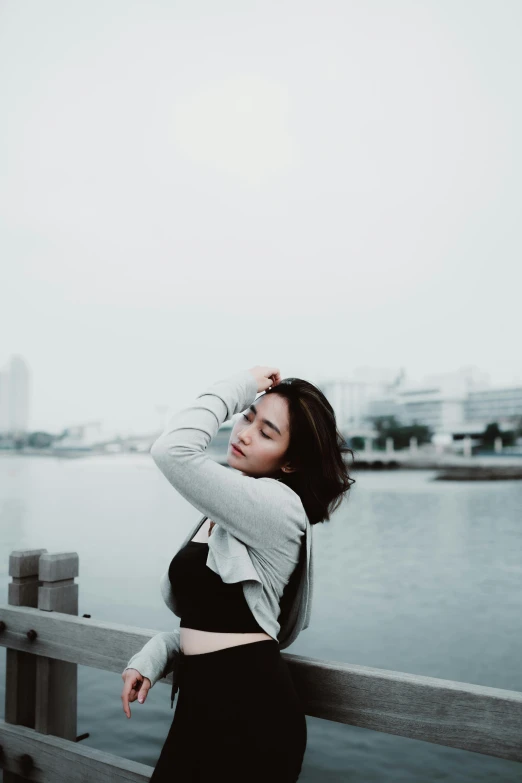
[237, 448]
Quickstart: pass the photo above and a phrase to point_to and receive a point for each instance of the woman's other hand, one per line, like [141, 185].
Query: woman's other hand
[136, 687]
[265, 377]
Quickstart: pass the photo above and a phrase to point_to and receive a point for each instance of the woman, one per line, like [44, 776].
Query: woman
[241, 582]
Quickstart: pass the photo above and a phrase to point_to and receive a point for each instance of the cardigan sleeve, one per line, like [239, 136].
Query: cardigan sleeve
[261, 512]
[158, 657]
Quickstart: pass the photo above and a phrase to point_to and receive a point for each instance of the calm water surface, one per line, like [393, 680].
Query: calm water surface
[411, 575]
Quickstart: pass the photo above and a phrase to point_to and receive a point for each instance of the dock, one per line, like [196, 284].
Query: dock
[46, 641]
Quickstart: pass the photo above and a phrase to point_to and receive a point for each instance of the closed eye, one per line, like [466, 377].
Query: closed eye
[262, 433]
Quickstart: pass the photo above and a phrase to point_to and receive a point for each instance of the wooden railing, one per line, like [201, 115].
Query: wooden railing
[46, 640]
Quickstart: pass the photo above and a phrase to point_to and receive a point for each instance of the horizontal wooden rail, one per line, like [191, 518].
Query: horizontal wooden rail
[455, 714]
[46, 759]
[66, 637]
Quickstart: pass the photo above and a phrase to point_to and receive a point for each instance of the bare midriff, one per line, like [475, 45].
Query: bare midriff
[195, 642]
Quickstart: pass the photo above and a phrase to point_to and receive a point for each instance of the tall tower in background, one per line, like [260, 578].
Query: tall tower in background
[4, 401]
[15, 388]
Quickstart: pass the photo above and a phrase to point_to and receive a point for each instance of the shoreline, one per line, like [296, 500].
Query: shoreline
[465, 469]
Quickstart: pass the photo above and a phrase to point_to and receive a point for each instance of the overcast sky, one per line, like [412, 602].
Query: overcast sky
[191, 188]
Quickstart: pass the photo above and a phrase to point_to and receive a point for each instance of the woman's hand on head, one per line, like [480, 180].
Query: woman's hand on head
[135, 687]
[265, 376]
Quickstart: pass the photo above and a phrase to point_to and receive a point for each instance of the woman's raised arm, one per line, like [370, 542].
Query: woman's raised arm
[260, 512]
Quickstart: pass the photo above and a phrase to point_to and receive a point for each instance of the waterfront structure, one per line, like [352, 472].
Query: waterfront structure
[46, 641]
[455, 404]
[80, 437]
[495, 404]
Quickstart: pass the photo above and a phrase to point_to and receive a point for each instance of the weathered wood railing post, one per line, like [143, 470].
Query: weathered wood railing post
[20, 667]
[57, 681]
[41, 692]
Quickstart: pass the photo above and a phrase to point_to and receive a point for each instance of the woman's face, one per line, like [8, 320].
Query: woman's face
[263, 444]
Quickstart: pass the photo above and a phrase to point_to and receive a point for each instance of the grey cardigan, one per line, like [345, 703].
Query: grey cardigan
[262, 536]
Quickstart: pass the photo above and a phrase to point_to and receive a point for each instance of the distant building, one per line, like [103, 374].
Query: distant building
[4, 401]
[351, 398]
[455, 403]
[500, 404]
[15, 385]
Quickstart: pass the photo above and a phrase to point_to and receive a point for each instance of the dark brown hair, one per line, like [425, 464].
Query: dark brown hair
[316, 450]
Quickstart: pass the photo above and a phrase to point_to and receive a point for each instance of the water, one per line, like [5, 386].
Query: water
[411, 575]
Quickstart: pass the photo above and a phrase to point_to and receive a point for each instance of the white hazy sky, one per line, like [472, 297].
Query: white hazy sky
[190, 188]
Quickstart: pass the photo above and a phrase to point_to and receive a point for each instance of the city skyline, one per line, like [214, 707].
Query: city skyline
[369, 391]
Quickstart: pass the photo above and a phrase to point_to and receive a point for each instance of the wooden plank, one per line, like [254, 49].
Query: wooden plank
[460, 715]
[99, 644]
[57, 680]
[20, 669]
[455, 714]
[49, 759]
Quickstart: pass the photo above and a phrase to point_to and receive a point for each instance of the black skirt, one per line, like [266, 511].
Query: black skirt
[238, 718]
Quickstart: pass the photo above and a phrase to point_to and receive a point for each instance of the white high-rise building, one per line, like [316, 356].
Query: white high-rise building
[4, 401]
[351, 397]
[15, 386]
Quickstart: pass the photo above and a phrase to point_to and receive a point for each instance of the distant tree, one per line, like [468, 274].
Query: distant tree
[492, 432]
[389, 427]
[39, 440]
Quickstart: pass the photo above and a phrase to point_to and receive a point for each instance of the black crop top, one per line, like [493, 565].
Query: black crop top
[206, 602]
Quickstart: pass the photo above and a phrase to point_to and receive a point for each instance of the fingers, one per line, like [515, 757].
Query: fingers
[130, 690]
[125, 697]
[265, 376]
[143, 691]
[135, 687]
[271, 374]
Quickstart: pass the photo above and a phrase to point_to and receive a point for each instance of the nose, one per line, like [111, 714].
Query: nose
[241, 434]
